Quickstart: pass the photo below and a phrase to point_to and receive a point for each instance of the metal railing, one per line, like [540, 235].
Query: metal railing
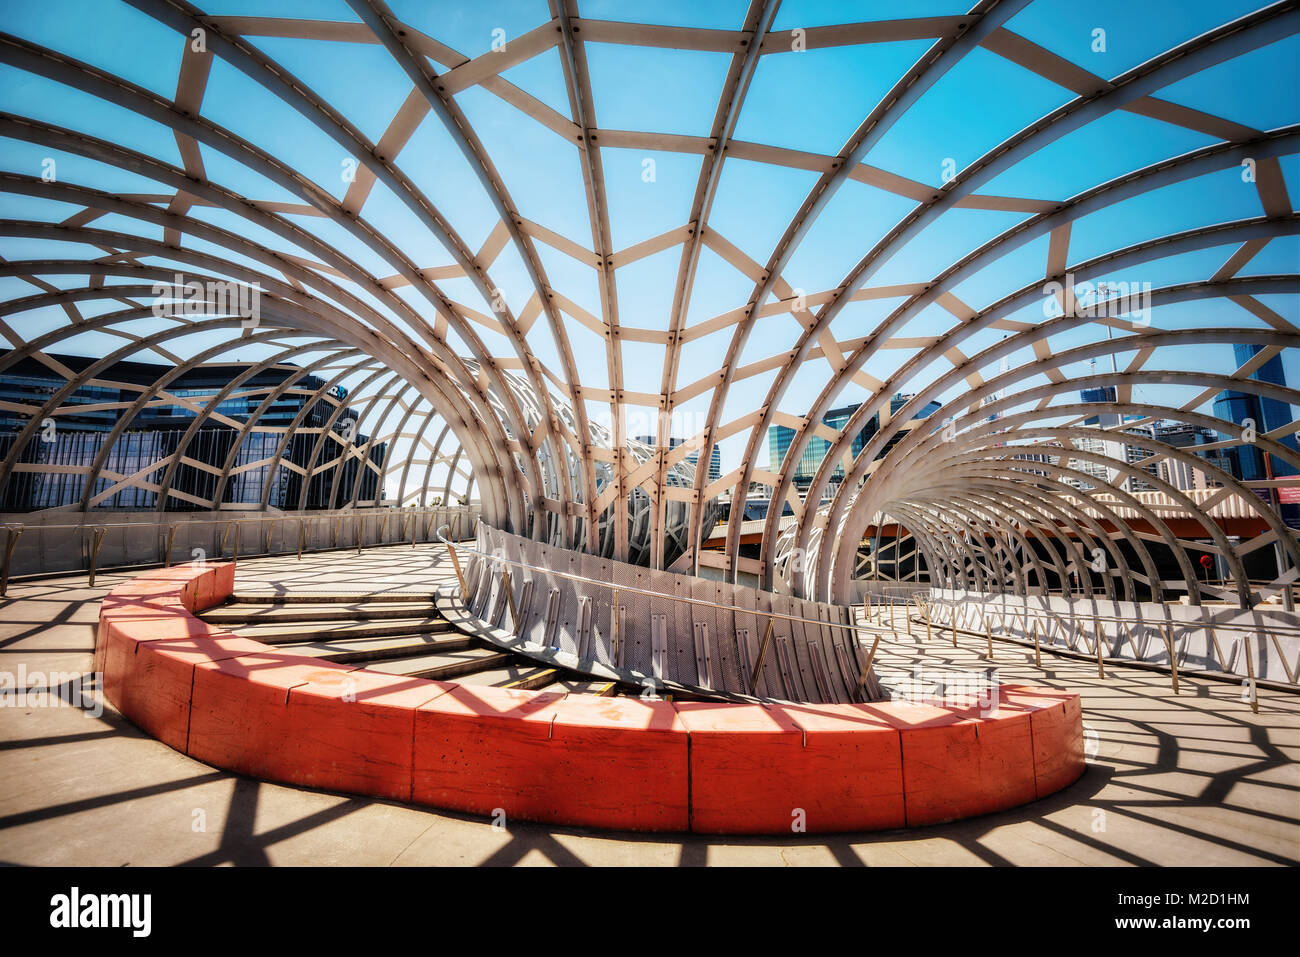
[1030, 619]
[875, 611]
[1036, 614]
[771, 616]
[95, 532]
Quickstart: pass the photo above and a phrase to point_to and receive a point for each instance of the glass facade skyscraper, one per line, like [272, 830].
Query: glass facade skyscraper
[154, 435]
[779, 438]
[1248, 462]
[715, 460]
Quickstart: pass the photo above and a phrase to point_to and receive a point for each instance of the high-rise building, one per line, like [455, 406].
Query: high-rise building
[1103, 448]
[1182, 475]
[1138, 455]
[1246, 461]
[77, 439]
[715, 459]
[780, 437]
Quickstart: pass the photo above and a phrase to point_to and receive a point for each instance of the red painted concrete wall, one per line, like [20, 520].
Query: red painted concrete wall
[570, 759]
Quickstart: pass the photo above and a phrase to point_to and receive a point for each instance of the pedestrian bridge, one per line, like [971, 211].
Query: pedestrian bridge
[516, 300]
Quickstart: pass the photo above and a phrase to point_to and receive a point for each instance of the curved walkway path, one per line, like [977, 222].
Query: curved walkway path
[1195, 778]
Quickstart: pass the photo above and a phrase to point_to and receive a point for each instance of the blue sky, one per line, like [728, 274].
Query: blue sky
[810, 101]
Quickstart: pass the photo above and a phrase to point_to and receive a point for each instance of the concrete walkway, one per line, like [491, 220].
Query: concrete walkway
[1193, 779]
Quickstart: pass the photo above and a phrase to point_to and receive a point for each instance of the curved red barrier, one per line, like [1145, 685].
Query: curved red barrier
[620, 763]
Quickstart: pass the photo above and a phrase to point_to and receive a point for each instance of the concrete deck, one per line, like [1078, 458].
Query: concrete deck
[1193, 779]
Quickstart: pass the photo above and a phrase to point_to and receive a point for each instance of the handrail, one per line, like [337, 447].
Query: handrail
[653, 594]
[924, 602]
[924, 606]
[863, 676]
[97, 532]
[772, 614]
[281, 517]
[1049, 613]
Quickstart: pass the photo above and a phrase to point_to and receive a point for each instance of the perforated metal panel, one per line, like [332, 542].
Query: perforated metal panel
[520, 579]
[846, 669]
[550, 625]
[724, 639]
[820, 679]
[824, 665]
[703, 629]
[567, 632]
[801, 635]
[546, 598]
[601, 602]
[769, 684]
[748, 633]
[520, 627]
[705, 645]
[500, 604]
[659, 645]
[788, 670]
[835, 644]
[681, 629]
[635, 627]
[837, 654]
[703, 654]
[783, 634]
[584, 624]
[486, 587]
